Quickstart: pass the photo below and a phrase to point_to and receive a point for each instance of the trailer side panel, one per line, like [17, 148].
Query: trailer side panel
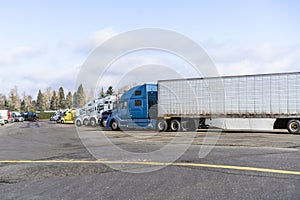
[251, 96]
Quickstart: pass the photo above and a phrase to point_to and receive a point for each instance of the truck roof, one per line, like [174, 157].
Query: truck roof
[232, 76]
[131, 92]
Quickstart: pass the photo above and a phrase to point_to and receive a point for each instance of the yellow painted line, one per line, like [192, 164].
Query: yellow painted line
[230, 167]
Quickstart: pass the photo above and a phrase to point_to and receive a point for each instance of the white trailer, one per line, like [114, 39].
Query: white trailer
[5, 114]
[189, 103]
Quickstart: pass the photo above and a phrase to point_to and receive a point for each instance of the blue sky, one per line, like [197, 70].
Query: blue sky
[44, 43]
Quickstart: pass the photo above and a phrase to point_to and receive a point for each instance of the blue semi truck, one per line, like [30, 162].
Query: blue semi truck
[137, 108]
[189, 104]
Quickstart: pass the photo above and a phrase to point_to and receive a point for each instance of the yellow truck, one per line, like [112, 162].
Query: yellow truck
[68, 116]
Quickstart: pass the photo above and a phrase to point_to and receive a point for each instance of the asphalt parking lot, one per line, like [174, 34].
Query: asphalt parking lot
[45, 160]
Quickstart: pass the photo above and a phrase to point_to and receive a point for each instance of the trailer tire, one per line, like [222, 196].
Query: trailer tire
[161, 125]
[93, 122]
[85, 122]
[293, 126]
[78, 123]
[175, 125]
[114, 125]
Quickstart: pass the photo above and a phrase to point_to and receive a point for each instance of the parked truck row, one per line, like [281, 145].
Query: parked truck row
[189, 104]
[89, 115]
[7, 116]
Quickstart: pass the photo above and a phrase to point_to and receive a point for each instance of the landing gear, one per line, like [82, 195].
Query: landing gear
[188, 125]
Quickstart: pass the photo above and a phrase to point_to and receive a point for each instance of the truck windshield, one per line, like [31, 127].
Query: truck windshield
[119, 105]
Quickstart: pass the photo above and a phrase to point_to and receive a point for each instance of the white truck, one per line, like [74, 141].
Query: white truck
[91, 112]
[17, 117]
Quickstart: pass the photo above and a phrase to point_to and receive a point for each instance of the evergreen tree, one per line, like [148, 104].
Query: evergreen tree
[39, 101]
[53, 101]
[6, 104]
[102, 94]
[110, 91]
[23, 106]
[80, 96]
[33, 105]
[69, 100]
[61, 99]
[75, 101]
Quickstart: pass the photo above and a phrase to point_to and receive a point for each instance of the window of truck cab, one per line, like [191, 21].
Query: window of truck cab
[100, 107]
[138, 102]
[119, 105]
[138, 93]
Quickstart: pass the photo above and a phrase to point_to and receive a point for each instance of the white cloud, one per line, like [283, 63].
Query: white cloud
[95, 39]
[24, 67]
[57, 67]
[265, 58]
[17, 53]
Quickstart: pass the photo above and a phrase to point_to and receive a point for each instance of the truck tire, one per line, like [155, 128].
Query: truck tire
[85, 122]
[293, 126]
[114, 126]
[78, 123]
[103, 122]
[161, 125]
[93, 122]
[175, 125]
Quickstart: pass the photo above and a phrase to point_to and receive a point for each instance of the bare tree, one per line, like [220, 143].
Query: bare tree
[47, 96]
[14, 99]
[2, 101]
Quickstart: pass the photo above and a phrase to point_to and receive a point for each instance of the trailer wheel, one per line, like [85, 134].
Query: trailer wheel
[293, 126]
[175, 125]
[85, 122]
[93, 122]
[78, 123]
[114, 126]
[161, 125]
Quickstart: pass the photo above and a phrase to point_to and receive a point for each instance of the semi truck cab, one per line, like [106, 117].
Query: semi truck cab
[137, 108]
[68, 117]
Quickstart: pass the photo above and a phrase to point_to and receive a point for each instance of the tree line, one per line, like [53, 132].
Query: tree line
[49, 99]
